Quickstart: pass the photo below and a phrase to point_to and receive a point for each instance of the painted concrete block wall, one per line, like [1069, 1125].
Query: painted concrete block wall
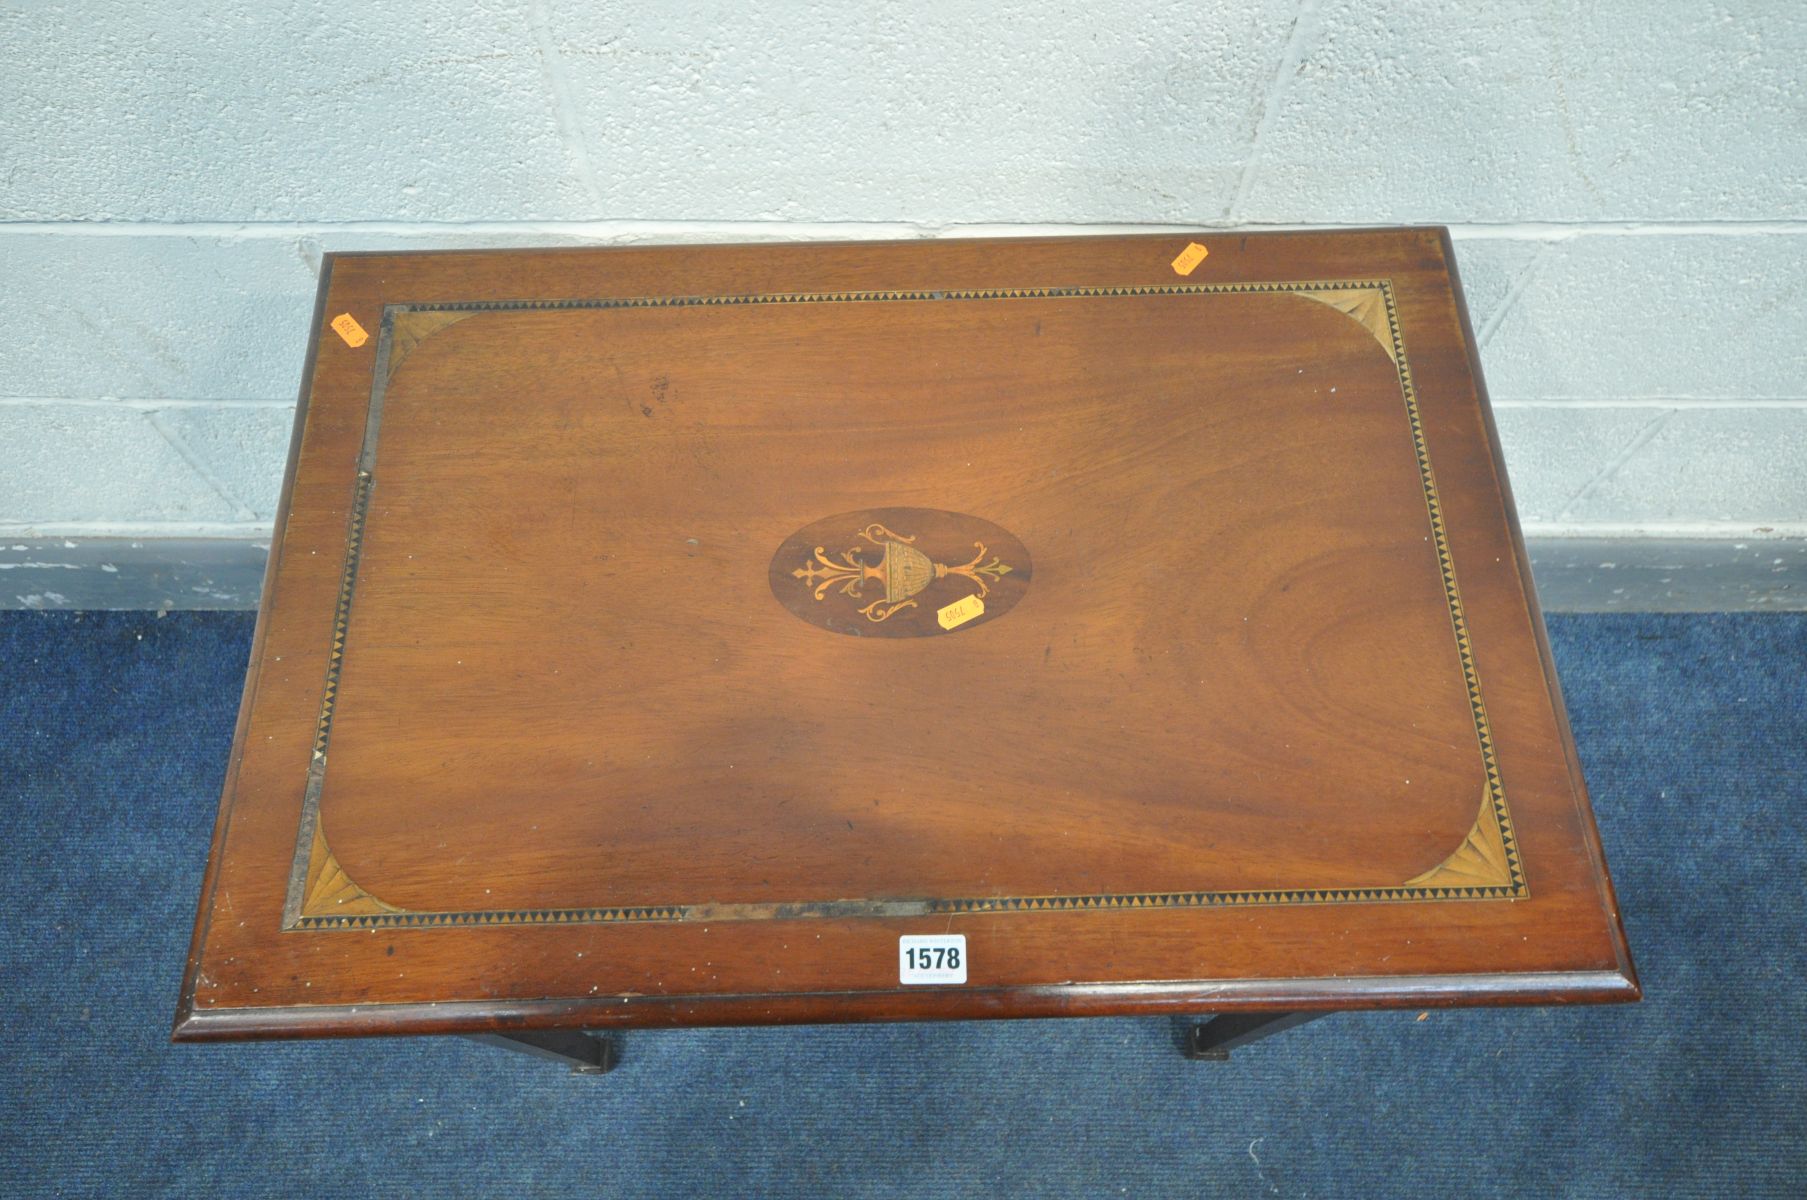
[1626, 181]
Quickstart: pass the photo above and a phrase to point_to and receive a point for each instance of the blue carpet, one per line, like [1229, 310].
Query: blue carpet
[114, 730]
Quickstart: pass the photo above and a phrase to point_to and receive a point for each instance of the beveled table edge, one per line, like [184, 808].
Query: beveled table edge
[1116, 999]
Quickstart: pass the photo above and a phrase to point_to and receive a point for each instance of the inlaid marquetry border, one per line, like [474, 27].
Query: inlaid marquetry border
[1486, 866]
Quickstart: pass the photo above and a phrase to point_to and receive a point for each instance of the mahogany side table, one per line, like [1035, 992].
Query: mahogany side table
[717, 635]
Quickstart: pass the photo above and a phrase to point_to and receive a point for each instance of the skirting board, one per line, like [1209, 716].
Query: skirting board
[166, 574]
[1573, 574]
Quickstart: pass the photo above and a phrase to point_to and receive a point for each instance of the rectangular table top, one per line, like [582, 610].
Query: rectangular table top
[658, 636]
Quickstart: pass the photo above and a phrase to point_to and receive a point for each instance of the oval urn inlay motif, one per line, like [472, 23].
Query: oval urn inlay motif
[900, 572]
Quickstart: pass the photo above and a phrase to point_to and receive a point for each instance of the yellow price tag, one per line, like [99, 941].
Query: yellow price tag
[347, 327]
[1189, 258]
[960, 612]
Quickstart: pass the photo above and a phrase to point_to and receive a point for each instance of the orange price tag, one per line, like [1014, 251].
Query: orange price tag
[1189, 258]
[347, 327]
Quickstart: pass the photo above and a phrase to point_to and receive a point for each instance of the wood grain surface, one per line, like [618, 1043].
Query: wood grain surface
[654, 636]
